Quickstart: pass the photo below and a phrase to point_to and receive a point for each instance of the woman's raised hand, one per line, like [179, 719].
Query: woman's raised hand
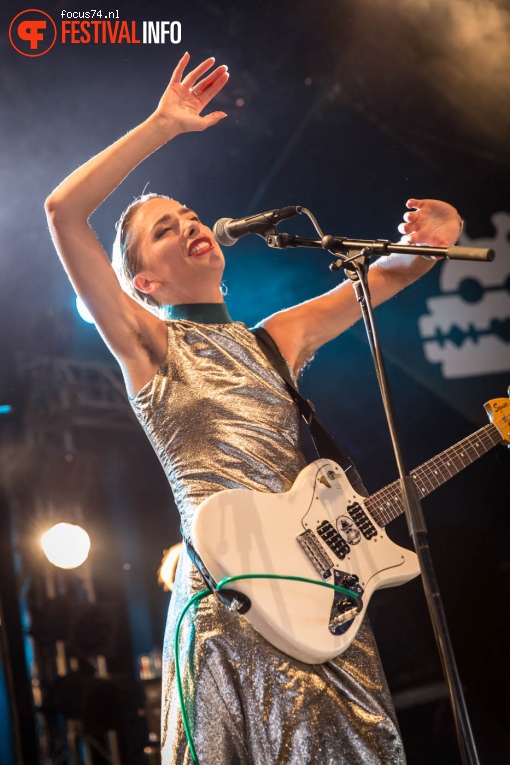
[184, 99]
[431, 222]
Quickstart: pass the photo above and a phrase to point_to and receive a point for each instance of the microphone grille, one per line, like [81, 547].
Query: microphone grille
[220, 232]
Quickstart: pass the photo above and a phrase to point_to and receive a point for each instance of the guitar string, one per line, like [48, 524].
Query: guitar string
[386, 504]
[419, 474]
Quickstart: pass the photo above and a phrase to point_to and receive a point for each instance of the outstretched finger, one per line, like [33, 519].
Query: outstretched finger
[406, 228]
[179, 69]
[412, 238]
[201, 69]
[213, 85]
[207, 81]
[415, 203]
[212, 119]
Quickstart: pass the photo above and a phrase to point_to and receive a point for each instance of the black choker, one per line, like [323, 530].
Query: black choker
[203, 313]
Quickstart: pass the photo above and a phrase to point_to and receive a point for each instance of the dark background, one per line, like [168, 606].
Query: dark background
[348, 108]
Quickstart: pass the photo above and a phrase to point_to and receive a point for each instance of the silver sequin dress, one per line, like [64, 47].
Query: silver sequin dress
[220, 417]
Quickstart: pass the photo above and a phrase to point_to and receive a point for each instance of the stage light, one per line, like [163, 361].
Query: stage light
[84, 311]
[66, 545]
[168, 568]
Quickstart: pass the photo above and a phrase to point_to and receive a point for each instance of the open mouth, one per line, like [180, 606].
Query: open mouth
[199, 246]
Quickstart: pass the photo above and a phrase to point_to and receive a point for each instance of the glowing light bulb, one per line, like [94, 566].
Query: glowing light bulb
[166, 573]
[66, 545]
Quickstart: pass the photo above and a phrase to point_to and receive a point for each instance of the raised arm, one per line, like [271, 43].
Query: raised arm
[300, 330]
[124, 323]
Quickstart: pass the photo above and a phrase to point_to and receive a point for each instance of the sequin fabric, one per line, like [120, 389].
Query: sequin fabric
[220, 417]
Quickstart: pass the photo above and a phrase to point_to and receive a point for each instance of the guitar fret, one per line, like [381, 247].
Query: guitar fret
[384, 509]
[386, 504]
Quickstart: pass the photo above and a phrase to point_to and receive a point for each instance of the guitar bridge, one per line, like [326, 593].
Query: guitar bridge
[321, 562]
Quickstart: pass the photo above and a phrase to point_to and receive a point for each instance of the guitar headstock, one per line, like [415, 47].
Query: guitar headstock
[498, 410]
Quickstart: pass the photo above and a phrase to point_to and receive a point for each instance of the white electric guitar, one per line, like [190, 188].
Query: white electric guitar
[322, 530]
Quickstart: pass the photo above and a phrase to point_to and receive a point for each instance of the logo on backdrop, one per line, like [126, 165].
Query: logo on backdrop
[467, 328]
[32, 33]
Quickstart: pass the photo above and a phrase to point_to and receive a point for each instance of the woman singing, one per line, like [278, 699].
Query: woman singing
[219, 416]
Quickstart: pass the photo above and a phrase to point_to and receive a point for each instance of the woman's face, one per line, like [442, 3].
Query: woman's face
[181, 262]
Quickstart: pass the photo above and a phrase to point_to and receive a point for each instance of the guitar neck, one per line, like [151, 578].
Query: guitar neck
[386, 505]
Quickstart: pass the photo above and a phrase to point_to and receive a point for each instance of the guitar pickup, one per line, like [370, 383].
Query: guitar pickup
[332, 538]
[362, 520]
[321, 562]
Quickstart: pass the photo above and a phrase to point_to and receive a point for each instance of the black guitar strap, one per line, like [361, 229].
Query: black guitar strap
[325, 445]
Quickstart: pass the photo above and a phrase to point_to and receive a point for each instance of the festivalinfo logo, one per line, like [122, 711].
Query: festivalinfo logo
[33, 32]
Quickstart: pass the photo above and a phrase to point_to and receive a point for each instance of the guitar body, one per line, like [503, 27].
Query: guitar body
[320, 530]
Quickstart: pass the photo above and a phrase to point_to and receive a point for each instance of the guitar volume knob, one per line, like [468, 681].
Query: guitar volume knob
[350, 582]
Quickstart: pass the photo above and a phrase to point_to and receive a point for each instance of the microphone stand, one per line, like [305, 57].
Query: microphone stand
[355, 259]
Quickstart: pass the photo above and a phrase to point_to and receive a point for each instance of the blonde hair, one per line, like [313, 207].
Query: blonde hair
[127, 259]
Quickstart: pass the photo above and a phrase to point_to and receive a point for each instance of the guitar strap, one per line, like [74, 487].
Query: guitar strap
[325, 445]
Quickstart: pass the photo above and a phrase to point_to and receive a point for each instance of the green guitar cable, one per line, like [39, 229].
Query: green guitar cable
[205, 594]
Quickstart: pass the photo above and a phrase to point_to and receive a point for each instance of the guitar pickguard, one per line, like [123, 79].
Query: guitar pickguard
[344, 530]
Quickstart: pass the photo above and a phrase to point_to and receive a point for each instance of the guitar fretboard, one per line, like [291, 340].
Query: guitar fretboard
[386, 505]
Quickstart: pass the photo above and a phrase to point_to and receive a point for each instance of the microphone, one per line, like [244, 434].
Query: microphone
[227, 231]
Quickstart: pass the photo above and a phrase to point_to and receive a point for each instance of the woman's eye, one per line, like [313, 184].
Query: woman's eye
[162, 231]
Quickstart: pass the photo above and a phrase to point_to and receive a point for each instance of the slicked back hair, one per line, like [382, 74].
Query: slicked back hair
[127, 260]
